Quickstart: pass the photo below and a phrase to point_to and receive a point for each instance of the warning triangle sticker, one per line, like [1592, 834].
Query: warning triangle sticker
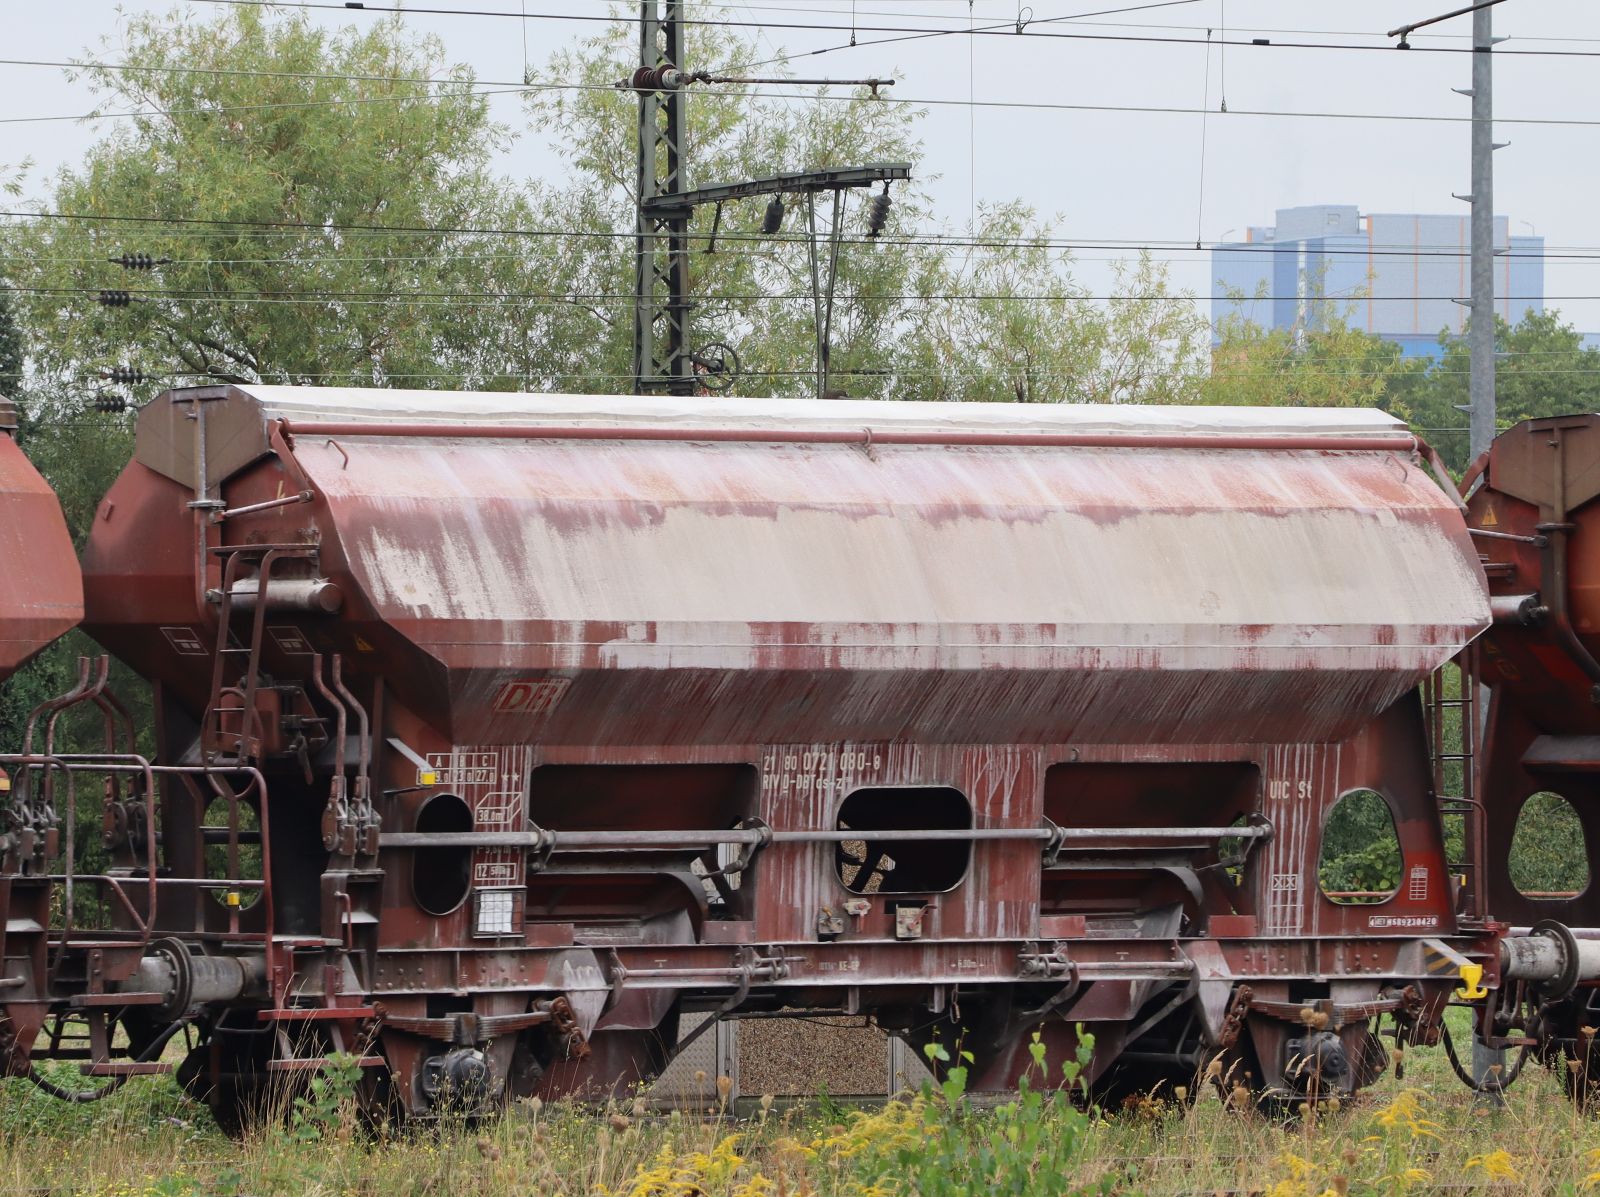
[1490, 520]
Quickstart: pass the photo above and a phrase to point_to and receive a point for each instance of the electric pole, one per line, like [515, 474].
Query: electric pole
[661, 233]
[1480, 333]
[663, 358]
[1481, 385]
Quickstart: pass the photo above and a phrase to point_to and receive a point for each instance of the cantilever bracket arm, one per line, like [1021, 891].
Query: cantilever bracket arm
[1405, 31]
[785, 184]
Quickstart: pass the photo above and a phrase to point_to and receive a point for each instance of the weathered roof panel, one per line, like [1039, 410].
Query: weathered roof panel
[239, 418]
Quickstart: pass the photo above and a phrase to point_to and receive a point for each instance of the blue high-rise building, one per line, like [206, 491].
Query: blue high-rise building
[1397, 276]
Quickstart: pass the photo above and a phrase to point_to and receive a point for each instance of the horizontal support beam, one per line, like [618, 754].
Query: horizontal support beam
[661, 206]
[1563, 754]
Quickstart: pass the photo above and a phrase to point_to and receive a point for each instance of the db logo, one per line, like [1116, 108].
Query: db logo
[534, 696]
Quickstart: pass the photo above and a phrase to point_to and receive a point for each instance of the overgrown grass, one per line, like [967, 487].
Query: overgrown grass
[1422, 1134]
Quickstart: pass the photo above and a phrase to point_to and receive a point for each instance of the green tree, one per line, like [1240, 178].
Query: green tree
[1542, 368]
[1325, 363]
[1031, 335]
[273, 121]
[10, 348]
[1001, 319]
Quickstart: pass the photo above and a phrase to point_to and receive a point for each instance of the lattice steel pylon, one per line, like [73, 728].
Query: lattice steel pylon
[661, 242]
[662, 357]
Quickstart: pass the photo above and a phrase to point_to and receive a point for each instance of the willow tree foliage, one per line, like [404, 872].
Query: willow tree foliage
[922, 312]
[272, 163]
[332, 214]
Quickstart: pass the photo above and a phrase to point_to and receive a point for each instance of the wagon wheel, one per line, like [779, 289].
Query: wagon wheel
[1567, 1048]
[1239, 1078]
[1577, 1061]
[1126, 1087]
[226, 1071]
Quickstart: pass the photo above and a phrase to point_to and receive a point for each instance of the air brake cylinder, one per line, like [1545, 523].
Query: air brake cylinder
[1551, 956]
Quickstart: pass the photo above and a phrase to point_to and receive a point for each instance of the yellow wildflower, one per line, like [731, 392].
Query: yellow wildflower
[1496, 1165]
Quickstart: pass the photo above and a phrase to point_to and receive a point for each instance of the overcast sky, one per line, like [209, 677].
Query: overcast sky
[1107, 175]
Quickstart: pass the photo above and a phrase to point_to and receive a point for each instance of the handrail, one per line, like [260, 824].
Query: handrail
[88, 762]
[863, 436]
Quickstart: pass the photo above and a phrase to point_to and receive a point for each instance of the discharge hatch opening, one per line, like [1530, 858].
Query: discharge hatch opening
[869, 866]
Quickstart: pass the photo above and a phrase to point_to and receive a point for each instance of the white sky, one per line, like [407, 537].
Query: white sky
[1108, 175]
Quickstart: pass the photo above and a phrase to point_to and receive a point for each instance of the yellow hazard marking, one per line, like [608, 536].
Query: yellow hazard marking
[233, 897]
[5, 785]
[362, 646]
[1490, 519]
[1470, 990]
[427, 777]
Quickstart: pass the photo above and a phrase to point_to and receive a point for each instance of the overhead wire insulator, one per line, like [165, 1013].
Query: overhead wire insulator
[772, 221]
[110, 402]
[665, 77]
[114, 299]
[139, 261]
[878, 212]
[123, 375]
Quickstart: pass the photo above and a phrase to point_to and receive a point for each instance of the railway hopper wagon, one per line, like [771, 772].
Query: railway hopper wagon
[495, 732]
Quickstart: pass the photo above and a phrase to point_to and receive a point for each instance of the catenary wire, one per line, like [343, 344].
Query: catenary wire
[489, 88]
[748, 251]
[1005, 29]
[1376, 35]
[504, 297]
[924, 238]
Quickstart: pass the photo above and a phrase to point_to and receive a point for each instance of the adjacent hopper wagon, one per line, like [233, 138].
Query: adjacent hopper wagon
[41, 599]
[41, 591]
[1533, 730]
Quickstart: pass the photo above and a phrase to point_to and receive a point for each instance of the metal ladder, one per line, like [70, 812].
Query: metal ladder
[1456, 717]
[243, 687]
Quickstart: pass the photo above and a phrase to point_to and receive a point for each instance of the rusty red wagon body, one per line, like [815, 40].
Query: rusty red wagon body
[41, 590]
[41, 599]
[1533, 510]
[550, 718]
